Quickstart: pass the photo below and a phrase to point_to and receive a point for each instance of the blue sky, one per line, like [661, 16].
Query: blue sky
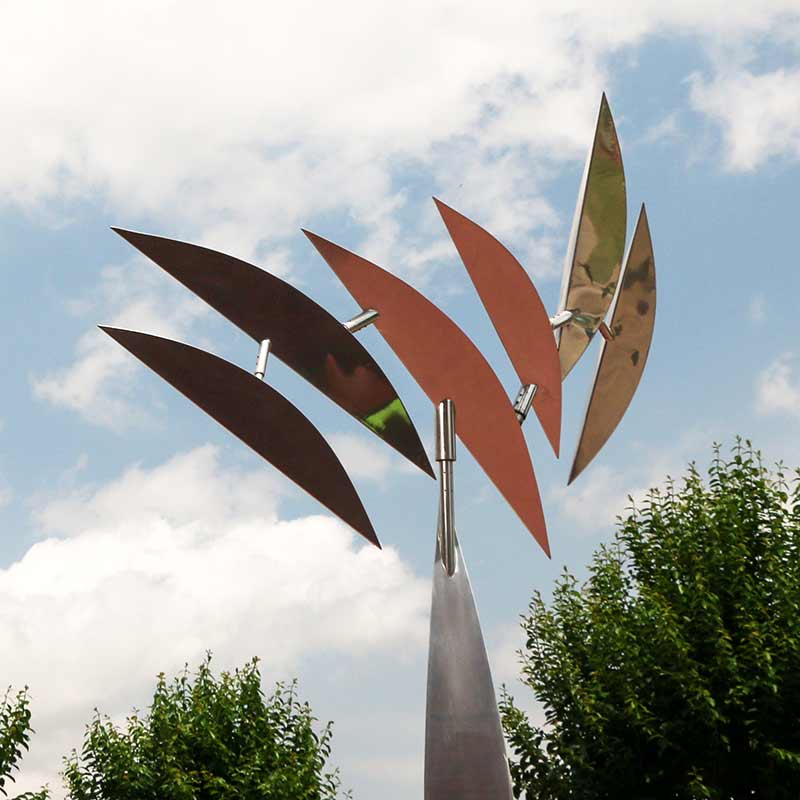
[136, 534]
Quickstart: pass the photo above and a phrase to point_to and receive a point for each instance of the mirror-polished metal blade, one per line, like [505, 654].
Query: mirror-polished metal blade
[465, 755]
[259, 416]
[517, 313]
[302, 334]
[597, 242]
[446, 364]
[622, 359]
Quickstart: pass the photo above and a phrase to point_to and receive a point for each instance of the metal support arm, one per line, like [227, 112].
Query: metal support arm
[446, 456]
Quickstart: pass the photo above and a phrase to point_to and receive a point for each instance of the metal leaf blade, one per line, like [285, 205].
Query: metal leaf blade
[622, 359]
[517, 313]
[446, 364]
[258, 415]
[303, 334]
[465, 754]
[597, 243]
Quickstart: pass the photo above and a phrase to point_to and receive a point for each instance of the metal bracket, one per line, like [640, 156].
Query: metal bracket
[561, 319]
[359, 321]
[605, 332]
[524, 401]
[261, 361]
[446, 456]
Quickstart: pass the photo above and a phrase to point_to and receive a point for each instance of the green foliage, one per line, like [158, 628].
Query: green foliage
[674, 671]
[207, 739]
[15, 731]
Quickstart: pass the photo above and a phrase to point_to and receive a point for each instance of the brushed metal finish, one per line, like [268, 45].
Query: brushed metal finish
[524, 400]
[446, 456]
[304, 335]
[361, 321]
[446, 431]
[446, 364]
[261, 359]
[622, 358]
[258, 415]
[517, 313]
[597, 243]
[465, 757]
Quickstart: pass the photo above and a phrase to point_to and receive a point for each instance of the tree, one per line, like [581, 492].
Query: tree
[15, 731]
[674, 670]
[207, 739]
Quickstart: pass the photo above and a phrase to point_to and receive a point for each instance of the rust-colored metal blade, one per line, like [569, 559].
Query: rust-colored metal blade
[258, 415]
[517, 313]
[596, 245]
[446, 364]
[303, 334]
[622, 359]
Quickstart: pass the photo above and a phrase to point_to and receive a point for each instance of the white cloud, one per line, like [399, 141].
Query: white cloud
[147, 572]
[778, 387]
[97, 384]
[759, 114]
[366, 457]
[757, 311]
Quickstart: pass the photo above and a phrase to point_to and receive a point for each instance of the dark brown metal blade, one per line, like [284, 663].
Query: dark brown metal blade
[303, 334]
[446, 364]
[517, 313]
[258, 415]
[622, 359]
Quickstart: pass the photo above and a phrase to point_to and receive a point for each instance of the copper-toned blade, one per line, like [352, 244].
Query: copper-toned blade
[446, 364]
[597, 242]
[302, 334]
[517, 313]
[263, 419]
[622, 359]
[465, 755]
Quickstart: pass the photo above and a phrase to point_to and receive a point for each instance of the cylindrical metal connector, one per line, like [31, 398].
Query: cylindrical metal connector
[446, 455]
[605, 332]
[446, 431]
[561, 319]
[524, 401]
[359, 321]
[261, 361]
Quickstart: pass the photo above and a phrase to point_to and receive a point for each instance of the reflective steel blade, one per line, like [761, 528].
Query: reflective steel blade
[254, 412]
[517, 313]
[465, 755]
[622, 359]
[303, 334]
[446, 363]
[597, 242]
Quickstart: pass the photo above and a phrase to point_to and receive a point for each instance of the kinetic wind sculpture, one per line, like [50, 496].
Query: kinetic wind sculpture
[464, 747]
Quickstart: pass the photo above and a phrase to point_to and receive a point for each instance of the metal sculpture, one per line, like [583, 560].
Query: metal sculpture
[302, 334]
[258, 415]
[597, 241]
[464, 745]
[446, 364]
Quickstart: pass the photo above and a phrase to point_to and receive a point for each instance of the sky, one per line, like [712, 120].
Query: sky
[136, 534]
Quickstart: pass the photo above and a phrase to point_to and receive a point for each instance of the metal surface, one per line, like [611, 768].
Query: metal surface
[465, 756]
[304, 335]
[446, 456]
[446, 363]
[561, 319]
[597, 242]
[361, 321]
[517, 313]
[259, 416]
[261, 360]
[622, 359]
[524, 401]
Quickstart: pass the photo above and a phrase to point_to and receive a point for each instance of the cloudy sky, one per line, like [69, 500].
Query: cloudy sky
[135, 534]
